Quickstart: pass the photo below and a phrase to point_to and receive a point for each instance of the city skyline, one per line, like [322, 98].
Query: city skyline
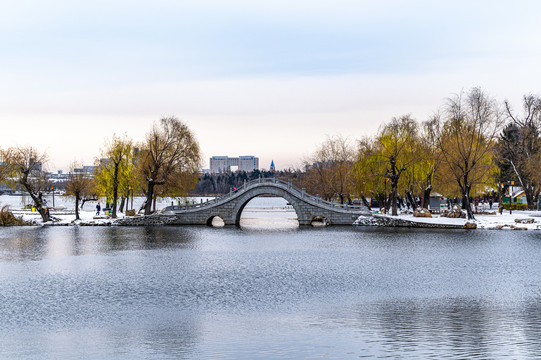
[269, 79]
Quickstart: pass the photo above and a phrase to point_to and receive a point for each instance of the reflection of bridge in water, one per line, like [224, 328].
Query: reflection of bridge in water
[229, 207]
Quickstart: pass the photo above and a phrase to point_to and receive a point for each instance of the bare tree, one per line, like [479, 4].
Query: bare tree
[466, 137]
[79, 184]
[26, 165]
[519, 148]
[169, 152]
[332, 164]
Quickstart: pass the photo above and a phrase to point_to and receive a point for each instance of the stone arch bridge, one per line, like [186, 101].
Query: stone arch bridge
[229, 207]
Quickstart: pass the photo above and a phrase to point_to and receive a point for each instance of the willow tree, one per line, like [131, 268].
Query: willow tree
[370, 172]
[5, 168]
[115, 169]
[79, 184]
[169, 154]
[427, 159]
[466, 136]
[396, 139]
[26, 167]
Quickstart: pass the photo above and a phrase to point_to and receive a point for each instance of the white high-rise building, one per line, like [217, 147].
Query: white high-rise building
[219, 164]
[248, 163]
[243, 163]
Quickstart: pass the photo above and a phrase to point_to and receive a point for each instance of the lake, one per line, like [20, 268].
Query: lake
[254, 293]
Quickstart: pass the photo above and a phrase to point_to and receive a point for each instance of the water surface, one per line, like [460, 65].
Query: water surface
[228, 293]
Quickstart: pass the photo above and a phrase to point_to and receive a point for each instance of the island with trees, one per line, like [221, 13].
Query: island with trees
[473, 148]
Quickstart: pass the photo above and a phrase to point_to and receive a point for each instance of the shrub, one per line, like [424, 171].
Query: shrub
[8, 219]
[516, 206]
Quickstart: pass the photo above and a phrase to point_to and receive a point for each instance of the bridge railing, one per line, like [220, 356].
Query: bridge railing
[288, 185]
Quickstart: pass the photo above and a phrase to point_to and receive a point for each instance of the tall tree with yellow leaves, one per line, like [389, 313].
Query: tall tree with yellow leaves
[115, 170]
[169, 158]
[466, 137]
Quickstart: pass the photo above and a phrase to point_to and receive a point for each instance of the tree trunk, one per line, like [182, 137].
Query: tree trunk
[394, 176]
[409, 196]
[466, 202]
[77, 197]
[426, 196]
[150, 195]
[394, 185]
[381, 201]
[122, 203]
[38, 200]
[365, 202]
[535, 201]
[43, 211]
[84, 200]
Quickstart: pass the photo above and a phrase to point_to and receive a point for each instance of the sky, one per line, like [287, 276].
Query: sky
[271, 79]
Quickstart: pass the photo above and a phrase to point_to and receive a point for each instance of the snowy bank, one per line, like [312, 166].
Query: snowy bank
[65, 218]
[519, 220]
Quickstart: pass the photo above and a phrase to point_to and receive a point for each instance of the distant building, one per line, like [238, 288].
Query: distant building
[36, 165]
[517, 197]
[86, 169]
[219, 164]
[243, 163]
[272, 168]
[248, 163]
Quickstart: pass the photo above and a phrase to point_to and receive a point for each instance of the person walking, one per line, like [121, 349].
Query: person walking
[98, 209]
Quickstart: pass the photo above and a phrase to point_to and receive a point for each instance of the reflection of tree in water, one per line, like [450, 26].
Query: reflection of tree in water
[460, 326]
[23, 243]
[531, 317]
[145, 238]
[36, 243]
[466, 328]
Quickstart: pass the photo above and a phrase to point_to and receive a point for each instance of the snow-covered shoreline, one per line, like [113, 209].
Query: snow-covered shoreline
[518, 220]
[274, 211]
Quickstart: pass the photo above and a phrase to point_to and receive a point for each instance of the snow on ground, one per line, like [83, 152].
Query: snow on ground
[66, 217]
[505, 221]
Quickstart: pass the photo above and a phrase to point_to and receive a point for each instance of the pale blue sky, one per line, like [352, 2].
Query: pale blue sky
[270, 79]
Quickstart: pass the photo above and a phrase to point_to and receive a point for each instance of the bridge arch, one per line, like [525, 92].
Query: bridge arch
[249, 195]
[210, 221]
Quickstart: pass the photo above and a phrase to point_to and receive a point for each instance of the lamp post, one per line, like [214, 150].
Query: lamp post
[52, 189]
[130, 189]
[511, 183]
[385, 195]
[500, 198]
